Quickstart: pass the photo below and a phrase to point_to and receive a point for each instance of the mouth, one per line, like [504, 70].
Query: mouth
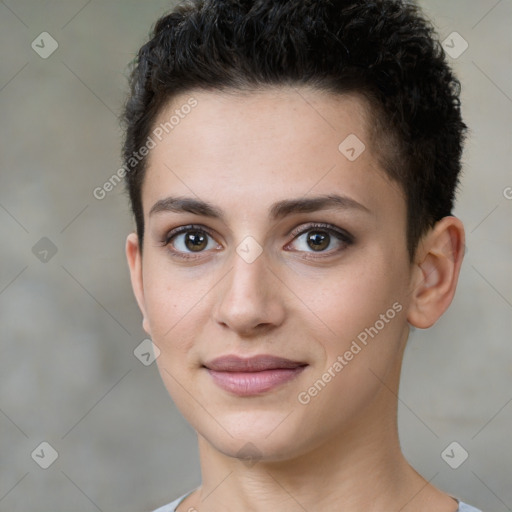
[254, 375]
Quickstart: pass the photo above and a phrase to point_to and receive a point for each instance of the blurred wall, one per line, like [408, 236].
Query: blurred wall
[70, 324]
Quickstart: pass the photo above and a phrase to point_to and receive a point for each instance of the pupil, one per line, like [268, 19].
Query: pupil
[319, 240]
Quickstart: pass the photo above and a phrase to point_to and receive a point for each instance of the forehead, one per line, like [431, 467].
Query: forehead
[262, 146]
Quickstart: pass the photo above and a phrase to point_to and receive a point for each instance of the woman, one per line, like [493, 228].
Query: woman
[291, 168]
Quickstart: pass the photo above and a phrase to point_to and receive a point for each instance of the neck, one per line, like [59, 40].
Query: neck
[354, 472]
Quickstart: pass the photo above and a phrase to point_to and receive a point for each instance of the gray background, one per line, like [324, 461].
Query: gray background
[69, 326]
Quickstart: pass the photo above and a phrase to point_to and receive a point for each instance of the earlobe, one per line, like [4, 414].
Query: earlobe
[134, 258]
[436, 272]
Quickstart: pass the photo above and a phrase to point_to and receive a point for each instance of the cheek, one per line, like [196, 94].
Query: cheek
[173, 304]
[365, 311]
[355, 299]
[174, 313]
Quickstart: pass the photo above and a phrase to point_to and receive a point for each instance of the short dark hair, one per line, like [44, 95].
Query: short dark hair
[385, 50]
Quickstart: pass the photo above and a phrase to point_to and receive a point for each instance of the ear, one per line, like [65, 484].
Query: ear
[134, 257]
[435, 272]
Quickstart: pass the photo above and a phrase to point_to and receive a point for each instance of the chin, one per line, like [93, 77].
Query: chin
[251, 448]
[255, 436]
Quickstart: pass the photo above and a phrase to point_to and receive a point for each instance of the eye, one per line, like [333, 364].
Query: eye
[318, 238]
[189, 240]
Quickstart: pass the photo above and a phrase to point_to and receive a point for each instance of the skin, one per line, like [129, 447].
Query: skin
[243, 152]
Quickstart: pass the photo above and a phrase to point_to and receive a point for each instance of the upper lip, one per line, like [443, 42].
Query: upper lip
[233, 363]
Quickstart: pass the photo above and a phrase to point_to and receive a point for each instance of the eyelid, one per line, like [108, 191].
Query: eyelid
[304, 228]
[183, 229]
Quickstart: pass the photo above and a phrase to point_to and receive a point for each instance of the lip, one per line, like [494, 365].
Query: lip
[254, 375]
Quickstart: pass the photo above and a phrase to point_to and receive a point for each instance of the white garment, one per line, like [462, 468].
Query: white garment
[171, 507]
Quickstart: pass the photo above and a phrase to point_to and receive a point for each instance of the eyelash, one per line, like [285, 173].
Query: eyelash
[341, 235]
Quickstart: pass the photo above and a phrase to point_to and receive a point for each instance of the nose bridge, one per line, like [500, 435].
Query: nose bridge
[249, 298]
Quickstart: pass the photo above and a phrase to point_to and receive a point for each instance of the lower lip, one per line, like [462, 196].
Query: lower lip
[254, 383]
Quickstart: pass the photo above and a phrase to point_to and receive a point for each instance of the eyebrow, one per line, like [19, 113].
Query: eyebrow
[277, 211]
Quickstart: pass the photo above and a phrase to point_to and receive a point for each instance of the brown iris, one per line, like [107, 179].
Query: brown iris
[318, 240]
[195, 240]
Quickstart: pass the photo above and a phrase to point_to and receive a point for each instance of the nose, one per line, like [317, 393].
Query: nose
[250, 301]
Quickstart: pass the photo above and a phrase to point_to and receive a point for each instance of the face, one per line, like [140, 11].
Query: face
[274, 242]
